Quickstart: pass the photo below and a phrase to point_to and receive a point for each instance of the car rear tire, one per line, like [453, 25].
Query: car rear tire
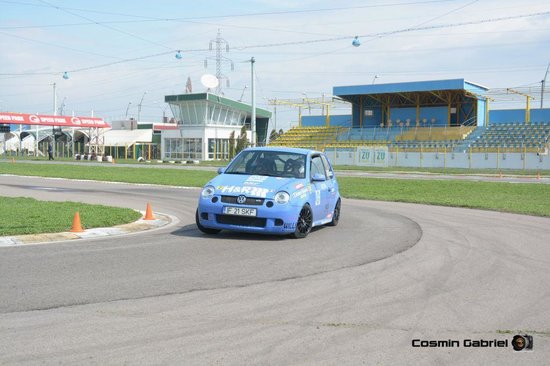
[305, 222]
[202, 228]
[336, 214]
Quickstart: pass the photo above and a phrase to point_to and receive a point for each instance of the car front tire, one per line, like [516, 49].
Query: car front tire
[305, 222]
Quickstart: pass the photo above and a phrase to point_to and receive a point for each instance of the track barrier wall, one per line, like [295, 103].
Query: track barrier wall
[382, 157]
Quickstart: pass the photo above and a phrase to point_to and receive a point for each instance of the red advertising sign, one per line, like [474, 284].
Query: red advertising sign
[158, 127]
[42, 120]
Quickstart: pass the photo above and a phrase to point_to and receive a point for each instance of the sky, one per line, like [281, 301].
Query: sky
[120, 54]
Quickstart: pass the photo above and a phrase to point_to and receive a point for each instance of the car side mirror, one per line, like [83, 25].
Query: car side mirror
[221, 170]
[318, 177]
[330, 174]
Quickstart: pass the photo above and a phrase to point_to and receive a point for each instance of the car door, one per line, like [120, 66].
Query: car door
[332, 184]
[320, 189]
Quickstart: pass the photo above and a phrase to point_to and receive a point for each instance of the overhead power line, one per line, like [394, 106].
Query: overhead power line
[104, 25]
[284, 12]
[404, 30]
[291, 43]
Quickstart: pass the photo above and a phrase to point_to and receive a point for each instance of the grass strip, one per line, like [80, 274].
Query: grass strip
[175, 177]
[524, 198]
[531, 199]
[22, 215]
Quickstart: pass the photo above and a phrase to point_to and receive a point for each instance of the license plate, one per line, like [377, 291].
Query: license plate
[239, 211]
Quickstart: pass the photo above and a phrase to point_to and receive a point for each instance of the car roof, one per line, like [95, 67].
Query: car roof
[284, 149]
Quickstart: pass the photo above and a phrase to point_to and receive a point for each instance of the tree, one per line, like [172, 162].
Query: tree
[242, 141]
[231, 145]
[273, 135]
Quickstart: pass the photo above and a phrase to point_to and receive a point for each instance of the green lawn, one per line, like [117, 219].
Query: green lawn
[176, 177]
[29, 216]
[8, 158]
[532, 199]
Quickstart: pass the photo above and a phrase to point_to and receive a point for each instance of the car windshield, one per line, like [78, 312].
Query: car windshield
[270, 163]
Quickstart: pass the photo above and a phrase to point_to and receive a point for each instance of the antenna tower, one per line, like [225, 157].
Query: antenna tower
[220, 60]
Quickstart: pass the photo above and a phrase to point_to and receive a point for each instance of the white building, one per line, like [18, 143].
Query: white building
[205, 122]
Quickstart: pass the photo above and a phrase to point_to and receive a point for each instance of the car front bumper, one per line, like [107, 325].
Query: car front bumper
[278, 219]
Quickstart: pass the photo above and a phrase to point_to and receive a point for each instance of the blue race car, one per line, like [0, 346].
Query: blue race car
[273, 191]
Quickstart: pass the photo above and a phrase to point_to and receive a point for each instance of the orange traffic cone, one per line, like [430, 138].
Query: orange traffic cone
[77, 227]
[538, 175]
[149, 213]
[500, 174]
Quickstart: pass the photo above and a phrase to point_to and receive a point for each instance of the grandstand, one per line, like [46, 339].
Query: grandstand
[432, 138]
[512, 137]
[309, 137]
[431, 116]
[413, 139]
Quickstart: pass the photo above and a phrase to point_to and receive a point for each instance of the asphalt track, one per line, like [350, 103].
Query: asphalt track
[355, 294]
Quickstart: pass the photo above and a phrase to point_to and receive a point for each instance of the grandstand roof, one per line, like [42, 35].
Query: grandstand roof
[415, 86]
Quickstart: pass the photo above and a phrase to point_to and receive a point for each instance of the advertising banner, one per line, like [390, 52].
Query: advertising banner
[372, 156]
[44, 120]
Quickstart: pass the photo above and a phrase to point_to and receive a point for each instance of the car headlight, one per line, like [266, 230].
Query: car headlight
[208, 192]
[282, 198]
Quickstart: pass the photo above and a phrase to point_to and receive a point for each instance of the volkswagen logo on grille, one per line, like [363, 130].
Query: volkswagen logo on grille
[241, 199]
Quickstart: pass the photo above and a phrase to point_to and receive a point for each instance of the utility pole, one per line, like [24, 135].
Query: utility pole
[55, 114]
[253, 91]
[54, 100]
[543, 82]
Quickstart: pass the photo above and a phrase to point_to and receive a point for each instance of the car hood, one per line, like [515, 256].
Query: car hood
[261, 186]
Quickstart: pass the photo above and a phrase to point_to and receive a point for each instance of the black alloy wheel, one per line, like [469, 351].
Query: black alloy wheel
[202, 228]
[305, 222]
[336, 214]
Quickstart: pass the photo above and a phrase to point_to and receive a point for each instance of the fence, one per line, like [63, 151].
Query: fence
[381, 157]
[65, 150]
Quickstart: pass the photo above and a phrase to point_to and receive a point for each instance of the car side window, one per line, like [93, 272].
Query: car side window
[328, 168]
[317, 166]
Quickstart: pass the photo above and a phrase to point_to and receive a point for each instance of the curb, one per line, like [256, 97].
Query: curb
[138, 226]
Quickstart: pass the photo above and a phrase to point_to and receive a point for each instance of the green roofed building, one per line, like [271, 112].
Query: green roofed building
[204, 123]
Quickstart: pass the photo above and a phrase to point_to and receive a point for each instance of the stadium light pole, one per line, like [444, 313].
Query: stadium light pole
[128, 108]
[543, 82]
[139, 106]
